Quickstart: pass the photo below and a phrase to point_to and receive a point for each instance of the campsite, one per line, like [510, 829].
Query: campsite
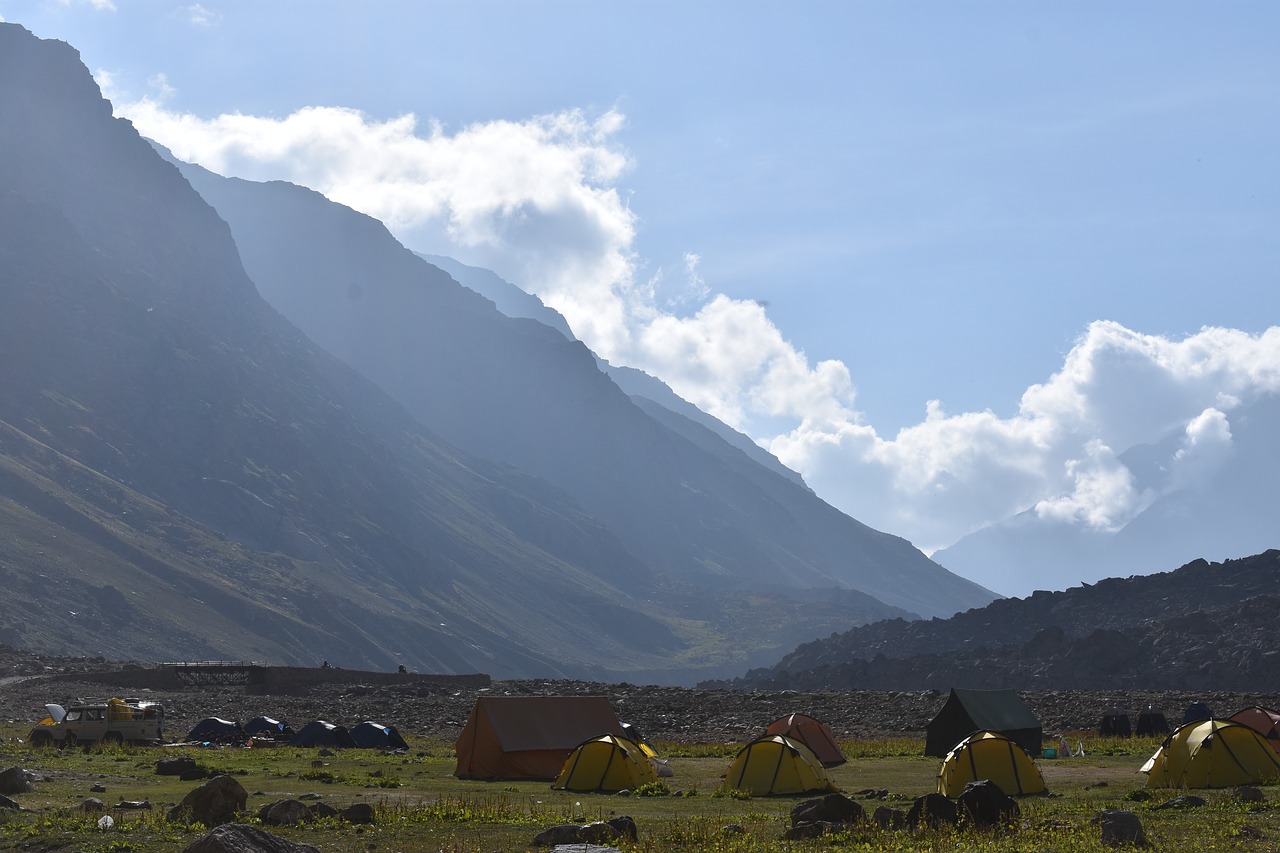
[419, 802]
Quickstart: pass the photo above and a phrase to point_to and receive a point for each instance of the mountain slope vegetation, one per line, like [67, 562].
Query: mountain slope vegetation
[1202, 626]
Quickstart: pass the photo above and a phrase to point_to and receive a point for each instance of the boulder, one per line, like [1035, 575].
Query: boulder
[238, 838]
[319, 809]
[357, 813]
[215, 802]
[833, 808]
[14, 781]
[887, 817]
[133, 805]
[1249, 794]
[593, 833]
[625, 826]
[92, 804]
[933, 811]
[176, 765]
[6, 803]
[1187, 801]
[284, 813]
[984, 803]
[564, 833]
[1120, 827]
[814, 829]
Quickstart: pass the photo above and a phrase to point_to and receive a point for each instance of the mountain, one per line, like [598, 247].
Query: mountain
[1205, 626]
[646, 391]
[1228, 508]
[184, 474]
[699, 511]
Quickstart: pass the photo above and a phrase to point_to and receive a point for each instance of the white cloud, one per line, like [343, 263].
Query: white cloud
[100, 5]
[200, 16]
[538, 201]
[952, 474]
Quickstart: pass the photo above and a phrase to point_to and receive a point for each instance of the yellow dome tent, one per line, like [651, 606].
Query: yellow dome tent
[1212, 754]
[606, 763]
[776, 764]
[989, 755]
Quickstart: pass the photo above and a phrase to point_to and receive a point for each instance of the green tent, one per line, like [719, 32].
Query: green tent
[969, 711]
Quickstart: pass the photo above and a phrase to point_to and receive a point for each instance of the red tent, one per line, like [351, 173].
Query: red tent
[811, 733]
[529, 737]
[1264, 721]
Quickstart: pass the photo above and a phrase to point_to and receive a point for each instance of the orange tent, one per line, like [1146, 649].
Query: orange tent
[813, 734]
[529, 737]
[1264, 721]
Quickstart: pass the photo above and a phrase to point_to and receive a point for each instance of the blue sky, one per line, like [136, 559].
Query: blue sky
[811, 219]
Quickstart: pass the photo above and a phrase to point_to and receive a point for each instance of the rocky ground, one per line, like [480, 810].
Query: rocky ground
[687, 715]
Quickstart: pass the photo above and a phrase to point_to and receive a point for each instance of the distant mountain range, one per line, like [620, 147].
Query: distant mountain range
[1231, 512]
[372, 465]
[1205, 626]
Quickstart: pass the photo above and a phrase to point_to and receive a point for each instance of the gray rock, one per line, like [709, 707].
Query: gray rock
[1120, 827]
[98, 788]
[133, 805]
[814, 829]
[1187, 801]
[733, 829]
[6, 803]
[832, 808]
[984, 804]
[92, 804]
[1249, 794]
[284, 813]
[933, 811]
[564, 833]
[176, 765]
[887, 817]
[14, 781]
[319, 809]
[217, 801]
[357, 813]
[238, 838]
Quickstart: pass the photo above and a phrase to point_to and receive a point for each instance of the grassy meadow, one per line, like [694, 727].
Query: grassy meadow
[420, 806]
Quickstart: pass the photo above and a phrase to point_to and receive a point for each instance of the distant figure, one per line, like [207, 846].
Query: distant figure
[402, 670]
[1064, 748]
[325, 665]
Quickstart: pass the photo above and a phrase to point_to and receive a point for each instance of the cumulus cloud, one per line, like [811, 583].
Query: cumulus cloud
[538, 201]
[1059, 454]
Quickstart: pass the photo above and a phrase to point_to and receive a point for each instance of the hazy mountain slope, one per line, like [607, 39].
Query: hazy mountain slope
[640, 386]
[290, 507]
[1230, 513]
[518, 391]
[1203, 626]
[506, 297]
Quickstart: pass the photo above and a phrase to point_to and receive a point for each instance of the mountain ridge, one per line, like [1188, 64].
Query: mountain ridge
[1204, 625]
[184, 473]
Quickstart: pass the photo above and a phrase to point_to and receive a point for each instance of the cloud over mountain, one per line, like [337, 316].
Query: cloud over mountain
[541, 202]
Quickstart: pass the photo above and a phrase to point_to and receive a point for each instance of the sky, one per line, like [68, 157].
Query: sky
[947, 260]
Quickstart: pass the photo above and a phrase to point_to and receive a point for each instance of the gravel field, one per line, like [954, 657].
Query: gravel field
[686, 715]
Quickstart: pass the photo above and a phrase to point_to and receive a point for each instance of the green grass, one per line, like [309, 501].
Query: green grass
[420, 806]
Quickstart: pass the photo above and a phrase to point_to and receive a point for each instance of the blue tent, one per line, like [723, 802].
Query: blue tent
[268, 727]
[322, 733]
[373, 735]
[215, 730]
